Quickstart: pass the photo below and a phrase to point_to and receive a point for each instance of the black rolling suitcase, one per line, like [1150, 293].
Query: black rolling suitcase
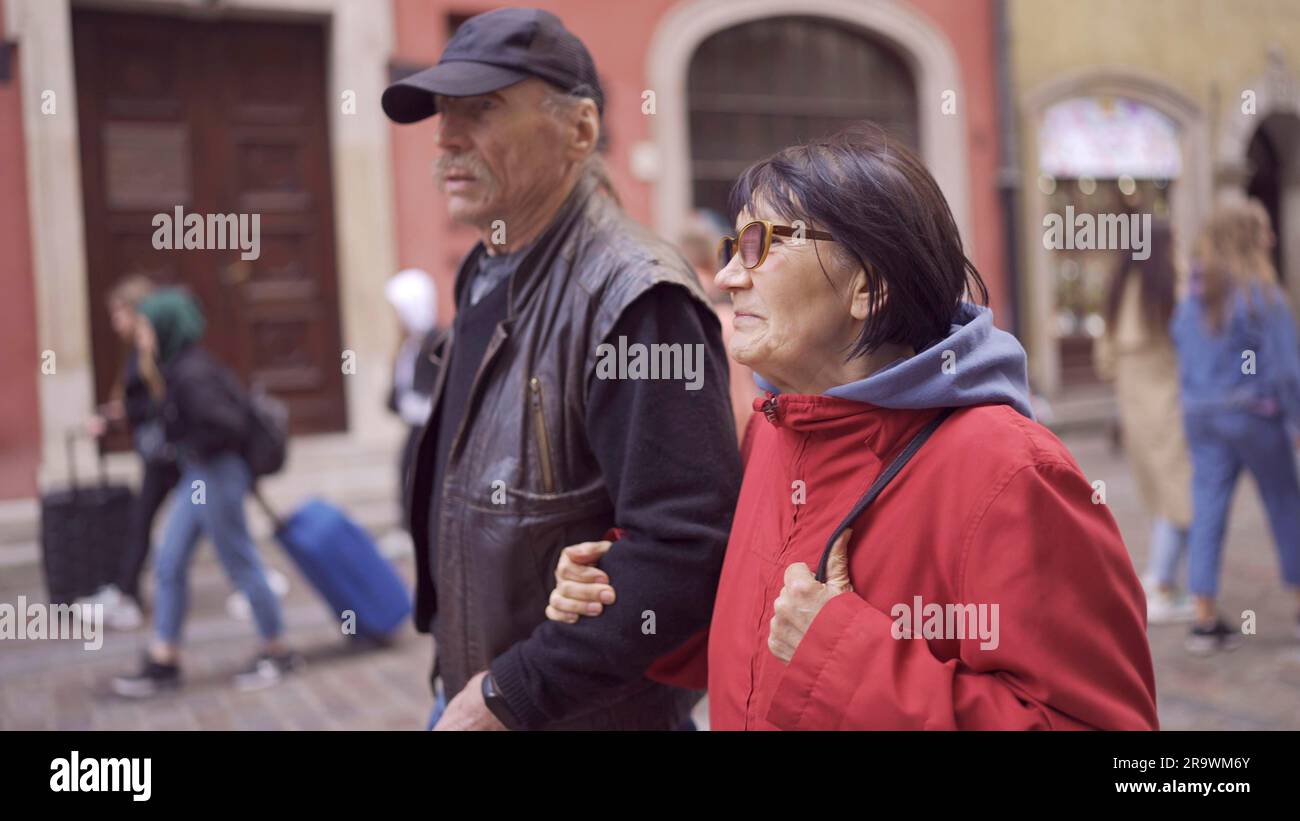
[84, 533]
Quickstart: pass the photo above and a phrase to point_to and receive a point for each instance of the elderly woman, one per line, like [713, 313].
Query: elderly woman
[968, 576]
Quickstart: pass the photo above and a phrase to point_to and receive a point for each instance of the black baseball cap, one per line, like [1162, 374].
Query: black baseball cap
[491, 51]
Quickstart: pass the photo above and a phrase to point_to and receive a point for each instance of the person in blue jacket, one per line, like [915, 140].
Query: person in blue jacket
[1239, 371]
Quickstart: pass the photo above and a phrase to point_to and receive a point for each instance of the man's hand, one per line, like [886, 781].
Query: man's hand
[467, 711]
[803, 597]
[581, 588]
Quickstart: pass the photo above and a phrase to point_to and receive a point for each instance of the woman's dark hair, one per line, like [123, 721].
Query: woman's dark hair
[1158, 282]
[887, 214]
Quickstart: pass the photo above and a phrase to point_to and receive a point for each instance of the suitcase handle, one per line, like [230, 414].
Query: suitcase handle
[276, 521]
[69, 447]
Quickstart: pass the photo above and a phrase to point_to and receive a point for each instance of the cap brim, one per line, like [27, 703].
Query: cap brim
[411, 99]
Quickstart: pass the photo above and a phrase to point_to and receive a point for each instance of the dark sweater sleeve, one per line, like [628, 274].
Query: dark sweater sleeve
[670, 462]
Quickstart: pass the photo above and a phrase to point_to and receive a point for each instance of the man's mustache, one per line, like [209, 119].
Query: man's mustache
[449, 165]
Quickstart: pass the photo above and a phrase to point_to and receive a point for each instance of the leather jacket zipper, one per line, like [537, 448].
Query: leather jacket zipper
[543, 440]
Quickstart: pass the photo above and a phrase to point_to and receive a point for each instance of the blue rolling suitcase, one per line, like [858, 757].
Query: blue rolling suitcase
[343, 564]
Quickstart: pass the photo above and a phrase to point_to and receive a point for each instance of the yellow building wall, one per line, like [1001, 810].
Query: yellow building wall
[1206, 51]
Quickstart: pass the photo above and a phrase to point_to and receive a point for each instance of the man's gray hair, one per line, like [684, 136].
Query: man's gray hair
[559, 103]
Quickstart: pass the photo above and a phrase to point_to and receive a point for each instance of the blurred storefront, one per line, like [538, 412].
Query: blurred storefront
[116, 110]
[1157, 107]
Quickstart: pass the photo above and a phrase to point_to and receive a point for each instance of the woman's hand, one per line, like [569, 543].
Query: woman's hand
[581, 589]
[803, 597]
[96, 426]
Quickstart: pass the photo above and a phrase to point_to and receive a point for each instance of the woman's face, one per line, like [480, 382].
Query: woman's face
[123, 317]
[790, 322]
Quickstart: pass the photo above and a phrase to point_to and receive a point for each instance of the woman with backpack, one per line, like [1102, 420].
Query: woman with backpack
[206, 421]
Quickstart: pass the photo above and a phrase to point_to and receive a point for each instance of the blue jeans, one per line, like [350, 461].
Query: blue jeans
[1221, 444]
[220, 515]
[1168, 544]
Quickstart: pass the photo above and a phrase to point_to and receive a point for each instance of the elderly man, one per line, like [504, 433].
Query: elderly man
[538, 439]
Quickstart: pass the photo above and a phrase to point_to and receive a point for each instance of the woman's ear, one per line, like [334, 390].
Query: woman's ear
[862, 301]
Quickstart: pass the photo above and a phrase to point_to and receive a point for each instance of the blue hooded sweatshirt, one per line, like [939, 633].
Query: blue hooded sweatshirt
[987, 366]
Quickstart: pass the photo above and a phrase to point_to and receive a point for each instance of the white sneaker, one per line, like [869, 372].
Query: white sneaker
[1164, 607]
[124, 616]
[108, 596]
[278, 582]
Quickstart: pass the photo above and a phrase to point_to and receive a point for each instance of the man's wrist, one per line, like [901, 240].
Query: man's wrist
[513, 685]
[496, 704]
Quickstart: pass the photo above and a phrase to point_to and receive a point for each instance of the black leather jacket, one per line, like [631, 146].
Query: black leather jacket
[524, 424]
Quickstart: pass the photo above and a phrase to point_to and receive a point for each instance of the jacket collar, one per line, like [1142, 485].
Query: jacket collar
[882, 430]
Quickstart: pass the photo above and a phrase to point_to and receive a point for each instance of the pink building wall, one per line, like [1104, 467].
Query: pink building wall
[20, 424]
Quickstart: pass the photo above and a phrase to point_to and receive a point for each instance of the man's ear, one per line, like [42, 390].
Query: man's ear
[586, 130]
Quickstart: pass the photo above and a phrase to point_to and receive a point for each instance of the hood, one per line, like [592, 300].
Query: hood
[987, 366]
[176, 319]
[412, 295]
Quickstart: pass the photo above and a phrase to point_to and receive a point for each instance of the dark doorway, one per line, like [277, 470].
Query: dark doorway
[1267, 159]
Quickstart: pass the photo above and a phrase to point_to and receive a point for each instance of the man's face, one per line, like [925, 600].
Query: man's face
[502, 153]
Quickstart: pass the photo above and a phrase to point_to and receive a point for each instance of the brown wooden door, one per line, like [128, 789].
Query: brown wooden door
[217, 117]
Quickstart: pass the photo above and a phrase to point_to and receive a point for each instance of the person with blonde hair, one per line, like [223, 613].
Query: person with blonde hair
[133, 404]
[1137, 353]
[1239, 371]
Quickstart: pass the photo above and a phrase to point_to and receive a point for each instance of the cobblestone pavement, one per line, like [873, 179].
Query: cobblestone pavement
[60, 685]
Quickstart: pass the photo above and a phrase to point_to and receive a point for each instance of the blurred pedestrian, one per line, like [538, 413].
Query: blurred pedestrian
[132, 405]
[206, 420]
[1138, 354]
[1239, 369]
[699, 244]
[415, 368]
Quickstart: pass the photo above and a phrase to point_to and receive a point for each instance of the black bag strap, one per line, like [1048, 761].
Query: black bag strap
[879, 485]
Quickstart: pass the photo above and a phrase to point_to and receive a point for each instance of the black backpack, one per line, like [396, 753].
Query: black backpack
[266, 442]
[265, 445]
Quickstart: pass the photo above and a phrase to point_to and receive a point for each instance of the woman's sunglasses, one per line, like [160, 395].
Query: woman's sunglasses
[755, 240]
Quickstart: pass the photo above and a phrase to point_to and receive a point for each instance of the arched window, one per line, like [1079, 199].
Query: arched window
[1100, 158]
[766, 84]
